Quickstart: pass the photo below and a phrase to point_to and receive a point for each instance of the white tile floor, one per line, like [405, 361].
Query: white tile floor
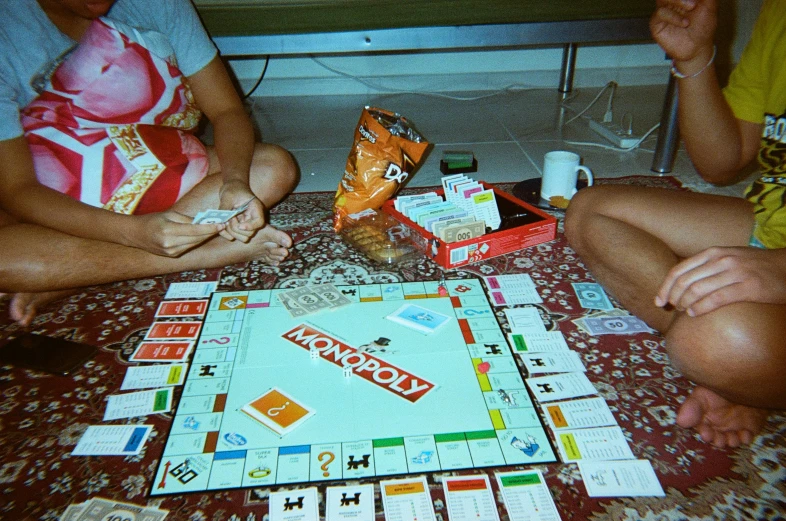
[509, 133]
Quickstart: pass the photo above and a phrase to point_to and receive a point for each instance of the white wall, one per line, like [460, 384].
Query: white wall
[638, 64]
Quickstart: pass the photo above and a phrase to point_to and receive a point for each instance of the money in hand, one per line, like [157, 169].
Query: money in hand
[219, 216]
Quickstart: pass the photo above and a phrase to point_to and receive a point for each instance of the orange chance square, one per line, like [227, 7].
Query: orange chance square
[279, 409]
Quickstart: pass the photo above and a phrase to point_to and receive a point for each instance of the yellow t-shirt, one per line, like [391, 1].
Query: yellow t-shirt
[757, 93]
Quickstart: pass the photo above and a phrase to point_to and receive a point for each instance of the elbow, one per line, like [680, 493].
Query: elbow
[725, 176]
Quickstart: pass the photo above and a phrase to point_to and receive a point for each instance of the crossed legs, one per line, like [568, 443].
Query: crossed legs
[629, 238]
[40, 264]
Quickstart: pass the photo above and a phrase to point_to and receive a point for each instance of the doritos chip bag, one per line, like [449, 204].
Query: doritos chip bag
[385, 152]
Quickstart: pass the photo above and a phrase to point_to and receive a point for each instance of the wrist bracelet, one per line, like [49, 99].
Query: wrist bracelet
[678, 74]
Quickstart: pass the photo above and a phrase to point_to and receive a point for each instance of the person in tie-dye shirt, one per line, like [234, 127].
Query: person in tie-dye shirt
[101, 172]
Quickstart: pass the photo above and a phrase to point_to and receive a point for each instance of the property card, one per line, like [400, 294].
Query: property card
[162, 352]
[485, 208]
[407, 206]
[509, 290]
[417, 197]
[596, 444]
[354, 503]
[174, 331]
[579, 414]
[449, 180]
[525, 321]
[527, 497]
[148, 376]
[470, 498]
[560, 386]
[550, 341]
[294, 505]
[278, 411]
[112, 440]
[418, 318]
[541, 363]
[407, 500]
[141, 403]
[632, 478]
[191, 289]
[592, 296]
[182, 308]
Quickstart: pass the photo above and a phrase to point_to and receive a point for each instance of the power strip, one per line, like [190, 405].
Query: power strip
[614, 133]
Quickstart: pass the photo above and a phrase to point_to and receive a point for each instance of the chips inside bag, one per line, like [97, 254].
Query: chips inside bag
[386, 151]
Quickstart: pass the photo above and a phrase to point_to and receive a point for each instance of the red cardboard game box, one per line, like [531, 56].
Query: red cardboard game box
[522, 226]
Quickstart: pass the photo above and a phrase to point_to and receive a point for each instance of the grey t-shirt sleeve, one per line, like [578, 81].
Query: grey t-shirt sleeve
[29, 41]
[179, 21]
[10, 125]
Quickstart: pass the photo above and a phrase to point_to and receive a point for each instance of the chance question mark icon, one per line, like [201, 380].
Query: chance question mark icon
[329, 456]
[277, 409]
[224, 340]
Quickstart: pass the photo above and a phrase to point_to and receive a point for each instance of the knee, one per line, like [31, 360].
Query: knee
[578, 216]
[275, 169]
[742, 360]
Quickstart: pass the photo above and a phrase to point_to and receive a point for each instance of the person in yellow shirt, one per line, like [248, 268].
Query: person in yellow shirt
[708, 271]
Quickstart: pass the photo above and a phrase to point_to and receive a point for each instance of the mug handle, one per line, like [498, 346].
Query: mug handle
[588, 173]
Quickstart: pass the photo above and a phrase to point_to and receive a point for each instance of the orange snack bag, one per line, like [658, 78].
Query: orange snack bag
[384, 154]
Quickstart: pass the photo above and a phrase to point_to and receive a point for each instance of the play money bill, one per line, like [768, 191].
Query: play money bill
[219, 216]
[616, 326]
[99, 509]
[464, 231]
[331, 294]
[292, 307]
[592, 296]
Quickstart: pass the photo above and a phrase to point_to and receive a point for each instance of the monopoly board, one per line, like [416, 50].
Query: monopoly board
[349, 393]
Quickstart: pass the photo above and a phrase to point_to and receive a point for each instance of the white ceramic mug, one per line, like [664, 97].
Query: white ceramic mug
[561, 174]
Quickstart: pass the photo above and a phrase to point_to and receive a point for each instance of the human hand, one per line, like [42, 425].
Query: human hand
[685, 29]
[171, 234]
[243, 226]
[720, 276]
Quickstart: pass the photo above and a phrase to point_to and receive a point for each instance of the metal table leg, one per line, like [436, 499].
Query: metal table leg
[668, 133]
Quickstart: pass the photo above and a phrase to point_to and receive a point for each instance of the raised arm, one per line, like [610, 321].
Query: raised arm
[718, 143]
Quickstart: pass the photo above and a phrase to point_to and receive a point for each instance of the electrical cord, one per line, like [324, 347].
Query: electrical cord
[591, 103]
[612, 147]
[514, 87]
[259, 81]
[509, 88]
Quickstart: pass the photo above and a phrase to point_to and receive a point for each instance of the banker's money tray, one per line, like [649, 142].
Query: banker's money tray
[523, 226]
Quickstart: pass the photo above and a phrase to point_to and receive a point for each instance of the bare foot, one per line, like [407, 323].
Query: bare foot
[273, 245]
[24, 306]
[719, 421]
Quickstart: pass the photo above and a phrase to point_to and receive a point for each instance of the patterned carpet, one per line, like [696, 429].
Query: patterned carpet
[42, 417]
